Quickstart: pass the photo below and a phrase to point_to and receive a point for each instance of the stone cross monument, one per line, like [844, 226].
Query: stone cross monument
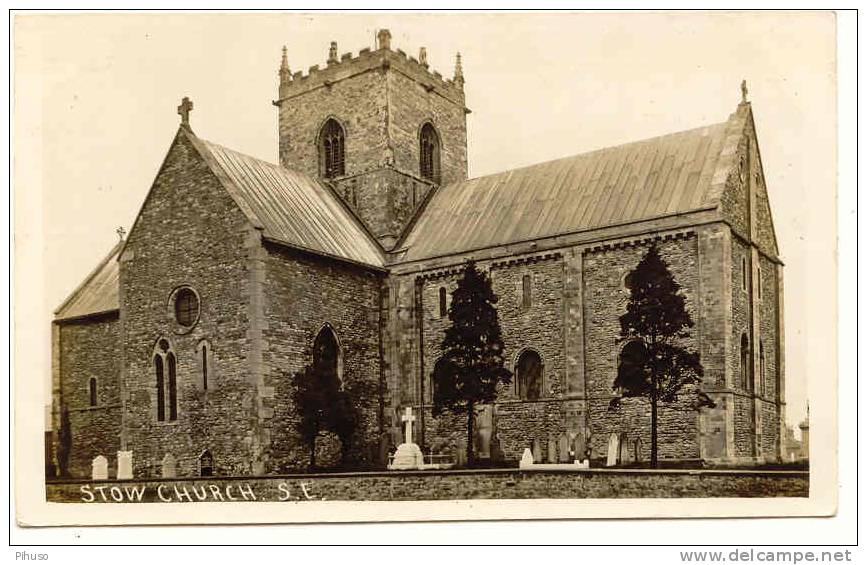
[408, 454]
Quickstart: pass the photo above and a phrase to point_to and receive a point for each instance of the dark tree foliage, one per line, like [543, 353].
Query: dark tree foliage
[653, 363]
[64, 442]
[323, 407]
[472, 366]
[314, 391]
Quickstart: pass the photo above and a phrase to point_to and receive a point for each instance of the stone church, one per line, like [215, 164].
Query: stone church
[183, 342]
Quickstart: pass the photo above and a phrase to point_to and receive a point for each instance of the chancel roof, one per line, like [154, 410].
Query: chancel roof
[637, 181]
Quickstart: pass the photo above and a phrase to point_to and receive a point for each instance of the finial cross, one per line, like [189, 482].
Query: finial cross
[120, 232]
[744, 91]
[409, 419]
[184, 111]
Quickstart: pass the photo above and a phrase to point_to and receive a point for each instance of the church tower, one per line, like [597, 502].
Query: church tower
[381, 128]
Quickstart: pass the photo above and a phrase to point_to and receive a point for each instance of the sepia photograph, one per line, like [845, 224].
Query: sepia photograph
[479, 259]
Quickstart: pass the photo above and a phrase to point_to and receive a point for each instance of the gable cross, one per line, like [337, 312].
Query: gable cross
[184, 111]
[409, 419]
[120, 232]
[744, 91]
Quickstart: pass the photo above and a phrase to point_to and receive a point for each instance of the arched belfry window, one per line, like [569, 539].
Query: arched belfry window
[429, 153]
[326, 352]
[166, 376]
[528, 370]
[431, 391]
[443, 302]
[206, 464]
[746, 382]
[332, 152]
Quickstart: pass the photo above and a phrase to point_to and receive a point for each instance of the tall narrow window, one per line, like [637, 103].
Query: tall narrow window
[326, 352]
[762, 368]
[92, 391]
[744, 273]
[173, 386]
[205, 367]
[161, 388]
[528, 370]
[527, 291]
[443, 302]
[759, 281]
[745, 363]
[206, 464]
[331, 149]
[429, 153]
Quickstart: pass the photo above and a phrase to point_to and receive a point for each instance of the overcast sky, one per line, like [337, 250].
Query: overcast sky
[97, 95]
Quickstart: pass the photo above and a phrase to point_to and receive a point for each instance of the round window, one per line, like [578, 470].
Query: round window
[186, 307]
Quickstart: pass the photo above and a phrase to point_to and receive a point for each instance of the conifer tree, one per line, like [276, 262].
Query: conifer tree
[472, 366]
[654, 363]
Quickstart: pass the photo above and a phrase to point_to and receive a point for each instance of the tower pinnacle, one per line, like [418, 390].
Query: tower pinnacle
[285, 73]
[459, 70]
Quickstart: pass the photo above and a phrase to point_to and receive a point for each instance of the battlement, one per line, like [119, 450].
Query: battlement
[384, 58]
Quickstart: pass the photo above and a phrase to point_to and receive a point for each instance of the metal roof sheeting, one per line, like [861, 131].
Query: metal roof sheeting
[98, 293]
[641, 180]
[293, 208]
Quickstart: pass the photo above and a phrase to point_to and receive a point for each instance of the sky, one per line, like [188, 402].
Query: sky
[96, 98]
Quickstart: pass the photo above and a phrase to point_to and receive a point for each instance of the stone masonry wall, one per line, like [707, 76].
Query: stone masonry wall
[91, 348]
[189, 232]
[605, 298]
[302, 295]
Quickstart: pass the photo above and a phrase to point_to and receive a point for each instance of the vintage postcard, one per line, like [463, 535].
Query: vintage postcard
[378, 267]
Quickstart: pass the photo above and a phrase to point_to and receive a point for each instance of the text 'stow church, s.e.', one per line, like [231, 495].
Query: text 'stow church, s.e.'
[182, 344]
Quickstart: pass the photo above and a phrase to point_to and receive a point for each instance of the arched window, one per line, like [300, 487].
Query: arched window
[161, 388]
[744, 273]
[204, 352]
[91, 389]
[186, 307]
[633, 358]
[745, 363]
[432, 384]
[528, 370]
[167, 385]
[429, 153]
[526, 291]
[173, 386]
[326, 352]
[206, 464]
[331, 149]
[205, 367]
[443, 302]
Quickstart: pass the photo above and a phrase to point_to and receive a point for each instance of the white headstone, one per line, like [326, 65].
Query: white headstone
[408, 418]
[526, 459]
[124, 464]
[99, 468]
[613, 450]
[169, 470]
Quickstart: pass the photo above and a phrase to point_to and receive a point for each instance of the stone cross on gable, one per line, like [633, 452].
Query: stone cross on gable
[184, 111]
[409, 419]
[120, 232]
[744, 91]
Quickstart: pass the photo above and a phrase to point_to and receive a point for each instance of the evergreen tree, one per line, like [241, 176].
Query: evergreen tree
[473, 352]
[654, 364]
[314, 390]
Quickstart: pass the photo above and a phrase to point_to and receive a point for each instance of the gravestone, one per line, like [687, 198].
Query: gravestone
[526, 459]
[124, 464]
[638, 446]
[99, 468]
[484, 431]
[461, 453]
[552, 450]
[563, 449]
[497, 455]
[613, 450]
[408, 454]
[579, 447]
[169, 467]
[626, 452]
[537, 450]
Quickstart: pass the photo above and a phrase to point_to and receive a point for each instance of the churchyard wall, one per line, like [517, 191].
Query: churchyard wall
[90, 348]
[443, 485]
[189, 232]
[302, 295]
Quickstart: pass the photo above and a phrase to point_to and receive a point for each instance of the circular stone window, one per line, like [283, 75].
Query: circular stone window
[186, 303]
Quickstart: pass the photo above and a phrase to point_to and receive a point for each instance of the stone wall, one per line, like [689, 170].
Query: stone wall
[302, 295]
[91, 348]
[189, 232]
[605, 299]
[448, 485]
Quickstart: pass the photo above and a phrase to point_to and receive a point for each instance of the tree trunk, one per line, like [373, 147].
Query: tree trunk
[653, 456]
[313, 453]
[471, 415]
